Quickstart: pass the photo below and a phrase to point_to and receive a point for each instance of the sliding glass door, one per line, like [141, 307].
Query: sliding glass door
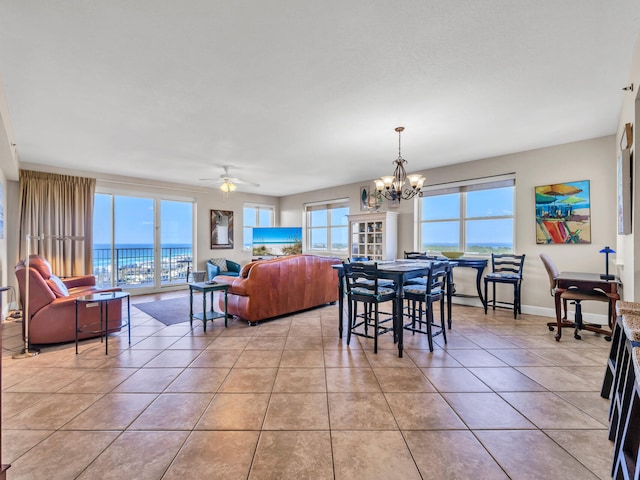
[142, 242]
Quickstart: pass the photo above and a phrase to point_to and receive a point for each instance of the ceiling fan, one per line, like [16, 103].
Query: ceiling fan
[228, 183]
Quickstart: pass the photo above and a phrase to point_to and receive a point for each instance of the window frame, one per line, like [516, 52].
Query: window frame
[462, 188]
[258, 208]
[330, 205]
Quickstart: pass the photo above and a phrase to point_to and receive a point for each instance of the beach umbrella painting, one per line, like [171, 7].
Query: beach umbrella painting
[543, 198]
[558, 190]
[572, 200]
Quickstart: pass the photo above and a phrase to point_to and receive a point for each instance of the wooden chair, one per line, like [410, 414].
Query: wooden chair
[363, 287]
[422, 297]
[575, 296]
[506, 269]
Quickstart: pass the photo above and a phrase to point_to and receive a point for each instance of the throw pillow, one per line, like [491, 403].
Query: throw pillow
[57, 287]
[220, 262]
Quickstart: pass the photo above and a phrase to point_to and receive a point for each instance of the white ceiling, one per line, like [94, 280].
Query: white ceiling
[300, 95]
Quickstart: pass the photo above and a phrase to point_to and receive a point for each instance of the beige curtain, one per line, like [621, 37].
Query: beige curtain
[56, 220]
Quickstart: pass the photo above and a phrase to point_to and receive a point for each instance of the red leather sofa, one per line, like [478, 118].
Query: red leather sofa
[52, 305]
[270, 288]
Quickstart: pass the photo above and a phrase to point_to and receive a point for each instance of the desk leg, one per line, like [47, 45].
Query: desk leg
[191, 306]
[340, 304]
[449, 296]
[398, 320]
[76, 327]
[478, 280]
[558, 302]
[106, 328]
[204, 311]
[226, 315]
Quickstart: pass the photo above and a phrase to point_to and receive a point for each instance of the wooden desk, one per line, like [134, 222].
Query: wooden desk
[586, 281]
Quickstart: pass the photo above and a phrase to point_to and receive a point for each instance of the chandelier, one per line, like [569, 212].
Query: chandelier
[392, 187]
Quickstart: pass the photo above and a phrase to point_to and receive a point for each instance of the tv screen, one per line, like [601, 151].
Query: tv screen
[273, 241]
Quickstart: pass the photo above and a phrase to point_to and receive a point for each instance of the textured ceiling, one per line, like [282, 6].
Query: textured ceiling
[298, 95]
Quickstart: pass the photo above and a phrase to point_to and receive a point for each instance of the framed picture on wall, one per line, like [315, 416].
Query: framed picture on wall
[624, 192]
[563, 213]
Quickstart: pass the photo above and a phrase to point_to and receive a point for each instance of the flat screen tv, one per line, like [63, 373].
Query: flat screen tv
[274, 241]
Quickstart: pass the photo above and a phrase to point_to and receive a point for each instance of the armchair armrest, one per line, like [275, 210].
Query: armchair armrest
[233, 266]
[212, 270]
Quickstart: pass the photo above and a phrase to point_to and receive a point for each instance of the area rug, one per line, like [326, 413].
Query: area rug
[173, 310]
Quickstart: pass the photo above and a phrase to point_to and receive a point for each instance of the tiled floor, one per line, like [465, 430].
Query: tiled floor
[288, 399]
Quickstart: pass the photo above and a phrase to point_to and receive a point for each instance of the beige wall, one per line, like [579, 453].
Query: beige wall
[593, 160]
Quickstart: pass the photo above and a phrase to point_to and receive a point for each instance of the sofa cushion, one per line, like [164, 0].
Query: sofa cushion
[221, 263]
[57, 287]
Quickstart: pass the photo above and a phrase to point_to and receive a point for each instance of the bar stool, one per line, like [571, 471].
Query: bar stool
[622, 308]
[627, 446]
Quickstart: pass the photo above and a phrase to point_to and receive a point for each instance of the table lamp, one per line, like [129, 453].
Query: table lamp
[607, 251]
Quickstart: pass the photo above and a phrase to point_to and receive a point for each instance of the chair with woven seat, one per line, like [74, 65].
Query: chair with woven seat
[364, 287]
[505, 269]
[573, 295]
[421, 299]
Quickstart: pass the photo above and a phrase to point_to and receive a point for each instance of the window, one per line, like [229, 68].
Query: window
[327, 227]
[141, 241]
[255, 215]
[475, 216]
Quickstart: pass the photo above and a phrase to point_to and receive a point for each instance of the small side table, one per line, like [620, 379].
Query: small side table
[104, 298]
[204, 288]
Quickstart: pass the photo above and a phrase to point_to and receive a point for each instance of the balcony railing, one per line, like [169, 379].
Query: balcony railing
[136, 266]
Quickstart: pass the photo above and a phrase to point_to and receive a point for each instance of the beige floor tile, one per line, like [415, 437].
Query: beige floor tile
[423, 411]
[259, 358]
[235, 411]
[266, 343]
[47, 380]
[548, 411]
[155, 343]
[293, 455]
[435, 359]
[452, 455]
[198, 380]
[173, 358]
[592, 448]
[304, 343]
[229, 343]
[558, 379]
[249, 380]
[67, 454]
[279, 328]
[13, 403]
[131, 358]
[360, 411]
[300, 380]
[476, 358]
[297, 411]
[302, 358]
[190, 343]
[593, 405]
[520, 358]
[150, 380]
[298, 330]
[16, 443]
[372, 455]
[352, 380]
[173, 411]
[567, 357]
[217, 358]
[544, 459]
[402, 380]
[454, 380]
[388, 358]
[214, 455]
[486, 411]
[52, 411]
[139, 455]
[345, 358]
[98, 381]
[121, 409]
[506, 379]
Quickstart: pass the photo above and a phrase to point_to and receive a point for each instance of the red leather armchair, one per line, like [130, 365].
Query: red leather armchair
[52, 305]
[270, 288]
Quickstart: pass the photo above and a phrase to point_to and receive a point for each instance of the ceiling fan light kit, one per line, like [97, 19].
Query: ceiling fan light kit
[227, 183]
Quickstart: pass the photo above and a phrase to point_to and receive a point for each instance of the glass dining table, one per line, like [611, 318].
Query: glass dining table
[399, 271]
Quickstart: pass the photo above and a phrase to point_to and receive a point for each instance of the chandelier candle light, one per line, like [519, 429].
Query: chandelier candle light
[392, 187]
